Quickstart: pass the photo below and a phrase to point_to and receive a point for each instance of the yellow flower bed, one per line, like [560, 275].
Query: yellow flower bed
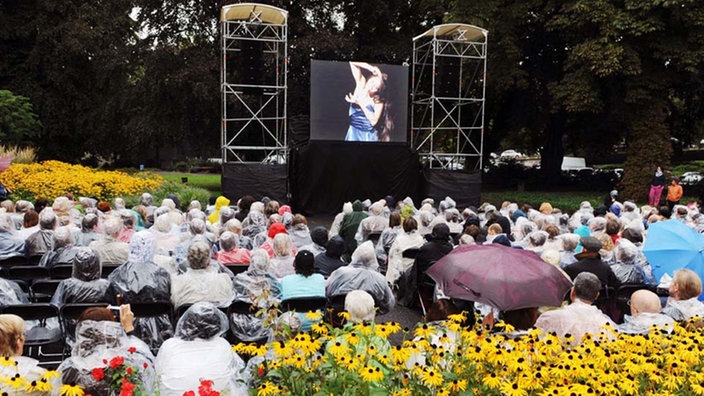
[50, 179]
[448, 359]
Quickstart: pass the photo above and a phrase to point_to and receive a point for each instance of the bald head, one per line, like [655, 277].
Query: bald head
[644, 301]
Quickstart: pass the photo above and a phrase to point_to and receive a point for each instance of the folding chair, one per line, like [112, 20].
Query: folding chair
[28, 273]
[237, 268]
[34, 260]
[61, 271]
[69, 317]
[305, 304]
[107, 270]
[43, 290]
[43, 342]
[12, 262]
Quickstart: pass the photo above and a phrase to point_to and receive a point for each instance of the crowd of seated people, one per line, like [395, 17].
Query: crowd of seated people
[162, 254]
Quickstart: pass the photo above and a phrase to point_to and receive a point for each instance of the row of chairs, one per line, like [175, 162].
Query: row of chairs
[49, 344]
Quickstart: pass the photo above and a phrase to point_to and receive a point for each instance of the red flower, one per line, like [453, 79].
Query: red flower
[206, 389]
[129, 370]
[189, 393]
[98, 374]
[116, 362]
[132, 350]
[145, 365]
[260, 371]
[105, 361]
[127, 388]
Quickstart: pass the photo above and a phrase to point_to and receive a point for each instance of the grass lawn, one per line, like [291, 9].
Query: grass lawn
[568, 201]
[208, 181]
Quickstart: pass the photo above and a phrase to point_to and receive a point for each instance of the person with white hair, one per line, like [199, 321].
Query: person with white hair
[10, 245]
[569, 244]
[147, 200]
[199, 283]
[362, 274]
[63, 251]
[282, 263]
[166, 241]
[335, 227]
[360, 305]
[408, 239]
[196, 232]
[374, 224]
[645, 315]
[42, 241]
[89, 230]
[110, 249]
[230, 252]
[626, 268]
[21, 207]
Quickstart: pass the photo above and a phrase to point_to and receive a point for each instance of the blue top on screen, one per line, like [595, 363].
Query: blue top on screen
[360, 130]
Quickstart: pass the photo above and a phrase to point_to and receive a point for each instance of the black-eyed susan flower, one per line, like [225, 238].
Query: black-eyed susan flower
[71, 390]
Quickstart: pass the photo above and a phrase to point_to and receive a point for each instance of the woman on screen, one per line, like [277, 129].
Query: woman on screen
[369, 107]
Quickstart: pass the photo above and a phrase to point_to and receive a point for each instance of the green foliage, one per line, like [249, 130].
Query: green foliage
[185, 194]
[568, 201]
[19, 125]
[210, 182]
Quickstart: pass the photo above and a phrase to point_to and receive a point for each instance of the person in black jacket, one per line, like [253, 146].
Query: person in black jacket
[657, 184]
[590, 261]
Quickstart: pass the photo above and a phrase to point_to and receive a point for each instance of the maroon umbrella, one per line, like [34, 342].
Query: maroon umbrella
[503, 277]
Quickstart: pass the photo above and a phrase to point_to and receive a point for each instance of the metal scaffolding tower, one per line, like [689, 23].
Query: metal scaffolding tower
[253, 84]
[448, 96]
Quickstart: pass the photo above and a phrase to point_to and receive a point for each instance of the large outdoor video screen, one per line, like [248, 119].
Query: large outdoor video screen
[358, 101]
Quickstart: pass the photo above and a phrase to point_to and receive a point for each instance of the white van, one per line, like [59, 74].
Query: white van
[575, 164]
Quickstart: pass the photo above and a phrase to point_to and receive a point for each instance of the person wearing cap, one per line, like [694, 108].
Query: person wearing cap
[590, 261]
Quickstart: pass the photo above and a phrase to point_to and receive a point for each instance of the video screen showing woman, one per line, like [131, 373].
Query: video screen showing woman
[358, 102]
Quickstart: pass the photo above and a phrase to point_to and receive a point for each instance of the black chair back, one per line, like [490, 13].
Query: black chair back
[13, 261]
[374, 237]
[241, 307]
[44, 289]
[28, 273]
[107, 270]
[34, 260]
[304, 304]
[237, 268]
[152, 309]
[61, 271]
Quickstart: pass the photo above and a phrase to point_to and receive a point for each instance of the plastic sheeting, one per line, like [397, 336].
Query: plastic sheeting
[327, 174]
[260, 289]
[85, 284]
[96, 341]
[144, 282]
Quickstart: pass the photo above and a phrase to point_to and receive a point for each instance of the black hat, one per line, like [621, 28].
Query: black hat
[590, 244]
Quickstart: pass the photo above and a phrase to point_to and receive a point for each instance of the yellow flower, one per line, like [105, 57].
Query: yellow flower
[8, 362]
[457, 386]
[492, 381]
[344, 315]
[267, 389]
[71, 390]
[49, 374]
[314, 316]
[338, 349]
[319, 328]
[371, 374]
[424, 331]
[512, 389]
[38, 386]
[402, 392]
[430, 377]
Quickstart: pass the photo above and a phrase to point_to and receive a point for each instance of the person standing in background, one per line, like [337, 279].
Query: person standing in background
[674, 193]
[657, 184]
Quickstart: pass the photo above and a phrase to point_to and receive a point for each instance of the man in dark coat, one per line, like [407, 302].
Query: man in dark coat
[434, 250]
[329, 260]
[590, 261]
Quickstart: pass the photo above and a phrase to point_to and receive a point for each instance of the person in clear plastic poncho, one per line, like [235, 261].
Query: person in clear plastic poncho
[10, 244]
[362, 274]
[197, 352]
[201, 282]
[256, 286]
[140, 280]
[85, 284]
[98, 339]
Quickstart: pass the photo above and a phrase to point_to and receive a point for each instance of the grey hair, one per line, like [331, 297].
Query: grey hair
[195, 204]
[62, 237]
[259, 260]
[119, 203]
[47, 219]
[626, 251]
[597, 224]
[128, 218]
[586, 286]
[538, 238]
[169, 203]
[229, 241]
[452, 215]
[467, 239]
[569, 242]
[199, 255]
[197, 227]
[146, 199]
[195, 213]
[226, 213]
[360, 305]
[22, 206]
[112, 226]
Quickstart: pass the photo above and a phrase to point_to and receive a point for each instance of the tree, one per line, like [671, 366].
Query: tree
[19, 125]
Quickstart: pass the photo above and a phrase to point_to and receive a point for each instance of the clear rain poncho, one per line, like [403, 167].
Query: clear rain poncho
[10, 245]
[140, 280]
[11, 293]
[261, 289]
[85, 284]
[362, 274]
[626, 269]
[197, 352]
[99, 340]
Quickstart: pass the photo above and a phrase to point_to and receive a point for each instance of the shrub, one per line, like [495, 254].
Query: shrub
[26, 155]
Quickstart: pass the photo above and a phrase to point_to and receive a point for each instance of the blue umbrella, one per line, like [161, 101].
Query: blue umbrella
[671, 245]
